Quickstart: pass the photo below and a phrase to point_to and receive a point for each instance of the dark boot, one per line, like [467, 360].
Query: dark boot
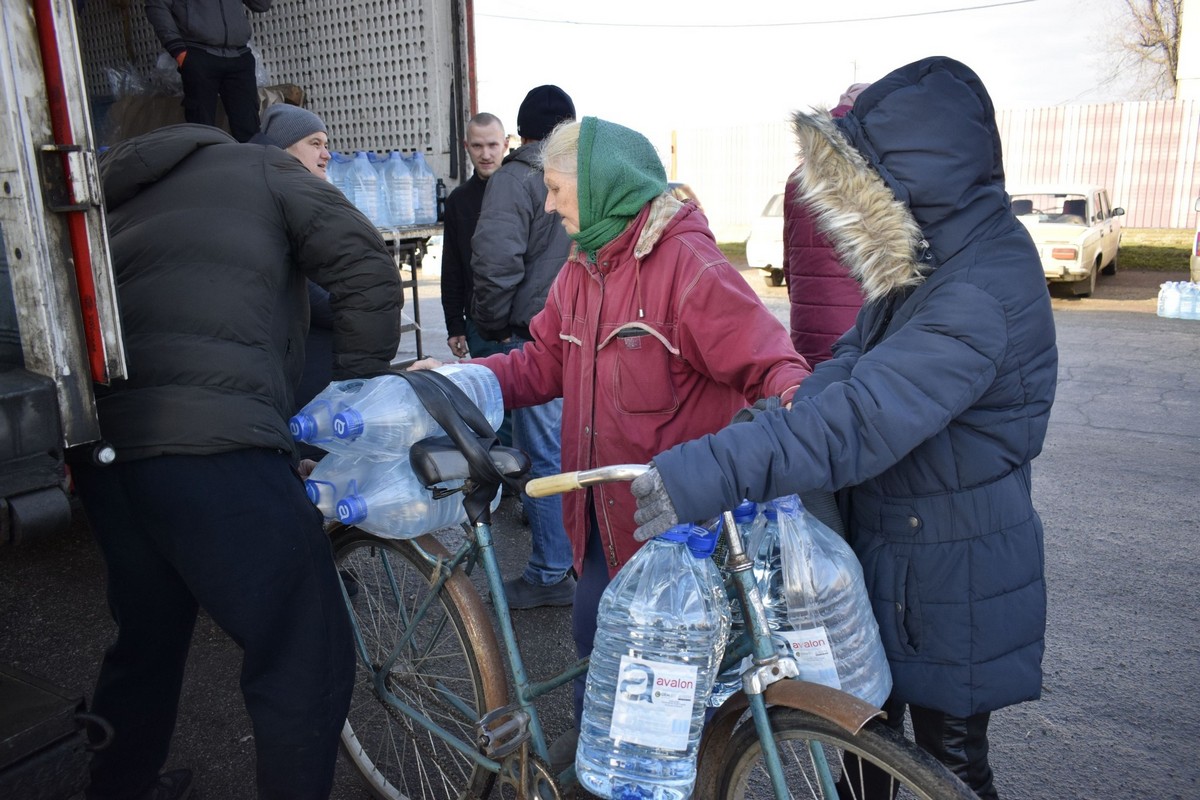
[959, 743]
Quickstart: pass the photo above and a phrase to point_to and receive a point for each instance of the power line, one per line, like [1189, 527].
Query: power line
[726, 25]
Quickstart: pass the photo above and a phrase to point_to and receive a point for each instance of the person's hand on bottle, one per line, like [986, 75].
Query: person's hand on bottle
[655, 512]
[424, 363]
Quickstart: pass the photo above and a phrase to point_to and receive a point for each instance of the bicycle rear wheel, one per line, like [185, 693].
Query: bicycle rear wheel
[446, 672]
[877, 763]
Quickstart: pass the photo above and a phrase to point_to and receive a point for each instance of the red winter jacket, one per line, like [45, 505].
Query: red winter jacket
[824, 298]
[656, 343]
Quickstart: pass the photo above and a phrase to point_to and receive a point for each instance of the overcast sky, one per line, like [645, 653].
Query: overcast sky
[660, 64]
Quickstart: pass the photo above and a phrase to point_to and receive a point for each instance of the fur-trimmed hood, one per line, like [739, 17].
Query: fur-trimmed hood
[874, 234]
[909, 177]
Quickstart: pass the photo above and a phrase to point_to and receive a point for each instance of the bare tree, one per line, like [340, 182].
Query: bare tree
[1149, 45]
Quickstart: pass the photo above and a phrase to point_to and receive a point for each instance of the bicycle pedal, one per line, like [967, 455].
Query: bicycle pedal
[502, 731]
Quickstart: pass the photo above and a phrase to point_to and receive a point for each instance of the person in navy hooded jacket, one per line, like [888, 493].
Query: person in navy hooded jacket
[927, 417]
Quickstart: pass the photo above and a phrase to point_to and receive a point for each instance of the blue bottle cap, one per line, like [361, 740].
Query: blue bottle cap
[679, 533]
[745, 511]
[702, 542]
[313, 490]
[302, 427]
[347, 424]
[632, 791]
[352, 509]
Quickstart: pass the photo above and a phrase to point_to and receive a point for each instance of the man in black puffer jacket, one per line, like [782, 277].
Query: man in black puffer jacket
[211, 243]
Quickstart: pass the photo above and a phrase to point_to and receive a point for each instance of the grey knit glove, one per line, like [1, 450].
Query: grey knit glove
[655, 513]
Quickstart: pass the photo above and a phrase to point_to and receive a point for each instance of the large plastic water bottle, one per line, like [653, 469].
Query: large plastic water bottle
[334, 476]
[831, 629]
[385, 498]
[313, 424]
[1169, 300]
[1189, 301]
[386, 418]
[661, 630]
[383, 193]
[768, 568]
[745, 516]
[338, 170]
[363, 187]
[425, 190]
[400, 189]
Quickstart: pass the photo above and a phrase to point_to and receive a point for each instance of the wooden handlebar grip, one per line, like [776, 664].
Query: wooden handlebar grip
[553, 484]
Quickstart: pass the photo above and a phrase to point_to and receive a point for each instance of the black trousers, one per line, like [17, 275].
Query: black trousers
[206, 76]
[235, 535]
[959, 743]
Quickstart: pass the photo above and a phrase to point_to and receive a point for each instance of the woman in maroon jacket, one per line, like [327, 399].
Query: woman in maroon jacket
[824, 297]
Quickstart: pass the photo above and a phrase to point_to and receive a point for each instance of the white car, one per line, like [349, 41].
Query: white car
[1076, 230]
[764, 245]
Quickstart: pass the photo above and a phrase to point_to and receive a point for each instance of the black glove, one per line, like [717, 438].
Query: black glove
[655, 513]
[747, 414]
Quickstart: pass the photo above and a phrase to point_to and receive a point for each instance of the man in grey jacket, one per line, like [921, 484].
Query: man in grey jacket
[203, 507]
[517, 250]
[209, 40]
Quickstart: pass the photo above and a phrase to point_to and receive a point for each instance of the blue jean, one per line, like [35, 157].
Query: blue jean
[538, 431]
[480, 347]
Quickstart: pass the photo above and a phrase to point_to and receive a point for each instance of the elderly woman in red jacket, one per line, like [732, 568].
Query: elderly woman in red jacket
[649, 335]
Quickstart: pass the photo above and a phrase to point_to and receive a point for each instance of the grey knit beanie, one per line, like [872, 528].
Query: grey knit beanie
[284, 125]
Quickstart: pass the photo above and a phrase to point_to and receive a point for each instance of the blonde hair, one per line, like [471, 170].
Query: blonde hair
[560, 152]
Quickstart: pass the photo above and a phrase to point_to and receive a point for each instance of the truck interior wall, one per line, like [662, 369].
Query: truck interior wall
[381, 73]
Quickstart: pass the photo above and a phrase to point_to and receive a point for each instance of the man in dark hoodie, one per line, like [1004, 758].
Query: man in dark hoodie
[516, 252]
[927, 416]
[203, 508]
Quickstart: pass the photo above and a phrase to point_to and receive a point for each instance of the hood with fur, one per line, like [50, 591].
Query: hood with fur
[909, 177]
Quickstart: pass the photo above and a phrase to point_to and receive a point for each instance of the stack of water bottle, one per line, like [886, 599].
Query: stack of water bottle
[1179, 300]
[816, 602]
[391, 191]
[663, 626]
[368, 427]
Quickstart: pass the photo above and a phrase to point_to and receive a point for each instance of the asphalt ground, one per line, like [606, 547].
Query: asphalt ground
[1116, 487]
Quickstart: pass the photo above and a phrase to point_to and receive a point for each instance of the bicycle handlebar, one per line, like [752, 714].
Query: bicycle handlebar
[570, 481]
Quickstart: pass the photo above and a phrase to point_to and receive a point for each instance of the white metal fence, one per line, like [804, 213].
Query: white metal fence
[1144, 153]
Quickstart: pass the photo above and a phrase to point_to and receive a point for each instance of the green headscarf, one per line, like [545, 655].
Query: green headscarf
[619, 172]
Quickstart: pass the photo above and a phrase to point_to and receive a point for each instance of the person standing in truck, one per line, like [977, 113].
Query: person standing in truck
[212, 242]
[209, 40]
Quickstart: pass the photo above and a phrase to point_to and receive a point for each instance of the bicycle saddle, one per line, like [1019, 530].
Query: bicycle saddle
[438, 460]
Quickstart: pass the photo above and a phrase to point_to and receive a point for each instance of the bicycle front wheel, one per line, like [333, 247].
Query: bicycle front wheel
[877, 763]
[445, 671]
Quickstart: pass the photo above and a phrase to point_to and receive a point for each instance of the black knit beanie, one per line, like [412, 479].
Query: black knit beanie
[542, 109]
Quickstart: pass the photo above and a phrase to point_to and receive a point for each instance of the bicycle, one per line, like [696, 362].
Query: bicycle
[431, 715]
